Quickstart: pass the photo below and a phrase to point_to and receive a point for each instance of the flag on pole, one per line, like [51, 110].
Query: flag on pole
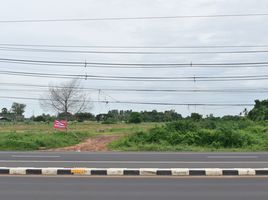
[60, 124]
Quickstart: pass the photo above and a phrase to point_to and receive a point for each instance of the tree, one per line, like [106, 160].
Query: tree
[18, 108]
[66, 98]
[196, 116]
[171, 115]
[43, 118]
[260, 111]
[84, 116]
[4, 111]
[39, 118]
[135, 117]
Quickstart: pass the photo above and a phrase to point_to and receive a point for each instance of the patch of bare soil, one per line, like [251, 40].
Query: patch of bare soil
[98, 143]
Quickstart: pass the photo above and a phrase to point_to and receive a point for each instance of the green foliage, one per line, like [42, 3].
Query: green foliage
[4, 111]
[18, 108]
[135, 118]
[39, 118]
[35, 141]
[196, 116]
[260, 111]
[206, 134]
[43, 118]
[145, 116]
[80, 117]
[109, 121]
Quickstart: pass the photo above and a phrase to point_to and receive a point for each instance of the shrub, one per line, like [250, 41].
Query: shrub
[181, 126]
[109, 121]
[184, 134]
[135, 118]
[196, 116]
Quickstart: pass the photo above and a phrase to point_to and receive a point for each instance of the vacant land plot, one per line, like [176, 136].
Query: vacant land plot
[182, 135]
[201, 135]
[36, 136]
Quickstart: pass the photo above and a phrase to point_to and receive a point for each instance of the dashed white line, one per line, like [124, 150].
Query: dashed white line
[134, 162]
[229, 157]
[33, 156]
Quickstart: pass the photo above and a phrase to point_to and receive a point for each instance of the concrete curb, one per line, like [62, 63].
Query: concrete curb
[135, 171]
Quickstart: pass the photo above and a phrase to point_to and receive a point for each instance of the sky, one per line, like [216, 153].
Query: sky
[157, 32]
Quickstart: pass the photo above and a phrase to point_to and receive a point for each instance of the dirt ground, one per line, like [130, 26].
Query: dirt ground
[98, 143]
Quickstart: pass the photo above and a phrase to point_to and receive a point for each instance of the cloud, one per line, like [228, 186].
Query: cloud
[218, 31]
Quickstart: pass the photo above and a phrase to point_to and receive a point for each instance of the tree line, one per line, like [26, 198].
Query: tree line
[258, 113]
[15, 113]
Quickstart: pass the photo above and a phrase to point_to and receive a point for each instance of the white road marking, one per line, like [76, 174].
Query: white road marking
[216, 157]
[33, 156]
[134, 162]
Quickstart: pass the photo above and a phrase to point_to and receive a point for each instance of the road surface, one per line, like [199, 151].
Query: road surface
[133, 160]
[84, 188]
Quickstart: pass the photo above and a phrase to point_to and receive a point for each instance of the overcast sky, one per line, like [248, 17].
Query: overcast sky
[162, 32]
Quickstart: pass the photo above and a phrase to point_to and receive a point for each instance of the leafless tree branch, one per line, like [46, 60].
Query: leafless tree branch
[66, 98]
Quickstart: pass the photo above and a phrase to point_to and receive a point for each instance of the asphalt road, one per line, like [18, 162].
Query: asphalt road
[133, 160]
[84, 188]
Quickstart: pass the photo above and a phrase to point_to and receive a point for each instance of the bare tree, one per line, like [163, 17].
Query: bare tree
[67, 97]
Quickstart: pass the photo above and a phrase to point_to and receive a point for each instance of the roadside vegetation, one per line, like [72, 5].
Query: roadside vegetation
[203, 135]
[195, 133]
[40, 141]
[140, 131]
[42, 136]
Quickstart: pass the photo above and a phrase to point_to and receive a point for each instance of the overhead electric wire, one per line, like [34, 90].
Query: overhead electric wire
[131, 52]
[134, 47]
[130, 65]
[265, 90]
[133, 89]
[137, 78]
[137, 102]
[89, 65]
[135, 18]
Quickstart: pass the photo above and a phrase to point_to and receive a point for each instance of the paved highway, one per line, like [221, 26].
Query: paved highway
[84, 188]
[139, 160]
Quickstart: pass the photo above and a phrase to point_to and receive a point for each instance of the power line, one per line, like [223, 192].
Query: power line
[130, 52]
[134, 18]
[141, 103]
[133, 47]
[138, 78]
[262, 90]
[138, 66]
[130, 65]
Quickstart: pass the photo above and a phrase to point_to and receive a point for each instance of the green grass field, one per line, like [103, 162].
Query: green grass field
[203, 135]
[36, 136]
[183, 135]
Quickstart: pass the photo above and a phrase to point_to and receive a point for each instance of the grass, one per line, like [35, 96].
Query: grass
[36, 135]
[184, 135]
[36, 141]
[204, 135]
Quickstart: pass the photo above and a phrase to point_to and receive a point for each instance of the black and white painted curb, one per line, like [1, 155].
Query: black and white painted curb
[136, 171]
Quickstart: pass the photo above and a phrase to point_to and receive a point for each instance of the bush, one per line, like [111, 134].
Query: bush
[34, 141]
[196, 116]
[181, 126]
[260, 111]
[109, 121]
[81, 117]
[135, 118]
[39, 118]
[185, 134]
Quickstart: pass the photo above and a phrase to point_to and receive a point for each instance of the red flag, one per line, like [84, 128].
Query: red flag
[60, 124]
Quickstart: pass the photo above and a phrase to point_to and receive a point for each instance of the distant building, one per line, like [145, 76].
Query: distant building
[11, 117]
[4, 119]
